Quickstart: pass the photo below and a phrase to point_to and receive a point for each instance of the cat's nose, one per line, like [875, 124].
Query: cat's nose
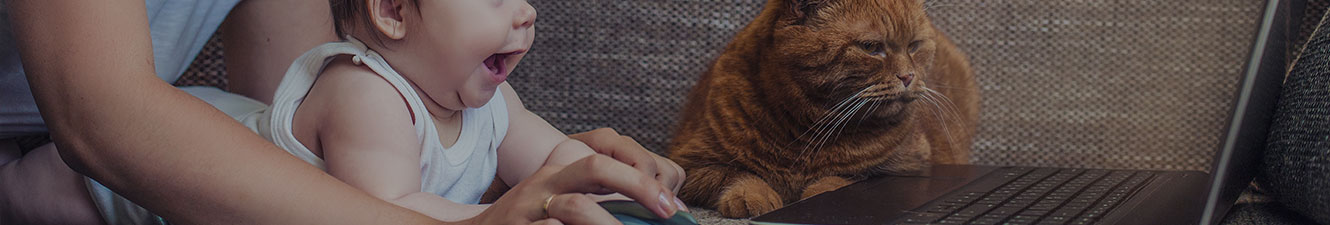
[906, 78]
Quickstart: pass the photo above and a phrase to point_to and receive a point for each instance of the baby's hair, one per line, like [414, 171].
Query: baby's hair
[349, 14]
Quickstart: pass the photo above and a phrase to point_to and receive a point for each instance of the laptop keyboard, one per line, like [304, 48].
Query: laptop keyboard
[1017, 195]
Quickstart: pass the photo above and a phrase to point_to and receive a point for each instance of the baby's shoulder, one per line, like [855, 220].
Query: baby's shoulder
[350, 107]
[344, 89]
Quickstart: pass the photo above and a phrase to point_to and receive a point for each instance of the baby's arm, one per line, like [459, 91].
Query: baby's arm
[368, 140]
[531, 142]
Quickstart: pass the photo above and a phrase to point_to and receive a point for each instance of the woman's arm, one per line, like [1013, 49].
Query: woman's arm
[263, 37]
[89, 64]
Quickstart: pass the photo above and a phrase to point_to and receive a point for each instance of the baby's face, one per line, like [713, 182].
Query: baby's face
[459, 51]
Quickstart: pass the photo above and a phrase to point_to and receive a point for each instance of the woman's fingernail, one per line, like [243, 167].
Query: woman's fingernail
[679, 202]
[665, 205]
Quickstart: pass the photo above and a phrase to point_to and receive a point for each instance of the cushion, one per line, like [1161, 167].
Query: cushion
[1297, 156]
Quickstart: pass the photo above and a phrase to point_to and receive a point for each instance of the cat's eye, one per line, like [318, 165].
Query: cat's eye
[873, 48]
[914, 46]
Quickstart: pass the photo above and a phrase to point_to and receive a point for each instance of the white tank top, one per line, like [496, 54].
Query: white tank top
[460, 173]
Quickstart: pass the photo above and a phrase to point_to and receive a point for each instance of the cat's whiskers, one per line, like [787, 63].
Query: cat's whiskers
[871, 108]
[873, 95]
[818, 126]
[951, 106]
[946, 109]
[938, 113]
[950, 88]
[819, 136]
[840, 125]
[829, 114]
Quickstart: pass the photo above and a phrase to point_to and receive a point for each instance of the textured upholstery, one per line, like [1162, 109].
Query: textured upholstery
[1297, 156]
[1111, 84]
[207, 69]
[623, 64]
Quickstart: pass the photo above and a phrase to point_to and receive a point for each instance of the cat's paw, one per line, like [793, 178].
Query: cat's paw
[825, 184]
[748, 197]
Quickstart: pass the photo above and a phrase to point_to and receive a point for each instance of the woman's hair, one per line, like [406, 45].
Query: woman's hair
[350, 14]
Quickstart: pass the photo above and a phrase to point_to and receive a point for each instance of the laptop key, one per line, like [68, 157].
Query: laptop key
[949, 221]
[1083, 220]
[1066, 213]
[944, 208]
[1005, 211]
[1055, 220]
[985, 221]
[994, 216]
[922, 217]
[1044, 207]
[1036, 213]
[1023, 219]
[979, 208]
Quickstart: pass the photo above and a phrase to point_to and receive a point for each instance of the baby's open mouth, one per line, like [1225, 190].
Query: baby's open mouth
[498, 64]
[495, 63]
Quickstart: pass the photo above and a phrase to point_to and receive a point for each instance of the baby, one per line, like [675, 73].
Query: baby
[411, 108]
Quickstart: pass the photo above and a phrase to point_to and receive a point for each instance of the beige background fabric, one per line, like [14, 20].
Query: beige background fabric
[1109, 84]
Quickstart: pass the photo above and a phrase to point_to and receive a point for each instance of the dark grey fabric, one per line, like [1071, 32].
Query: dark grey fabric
[1264, 214]
[1311, 11]
[1257, 207]
[1297, 157]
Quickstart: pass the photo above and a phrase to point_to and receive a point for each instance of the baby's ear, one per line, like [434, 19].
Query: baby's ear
[386, 15]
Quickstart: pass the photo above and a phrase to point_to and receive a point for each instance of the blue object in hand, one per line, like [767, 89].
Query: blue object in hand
[632, 213]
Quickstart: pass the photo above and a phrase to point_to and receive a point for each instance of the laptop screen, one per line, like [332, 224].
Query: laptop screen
[1235, 161]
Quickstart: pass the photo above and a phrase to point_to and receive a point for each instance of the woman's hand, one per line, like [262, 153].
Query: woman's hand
[608, 142]
[558, 194]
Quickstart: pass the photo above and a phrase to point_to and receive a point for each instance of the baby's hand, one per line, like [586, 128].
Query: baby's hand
[608, 142]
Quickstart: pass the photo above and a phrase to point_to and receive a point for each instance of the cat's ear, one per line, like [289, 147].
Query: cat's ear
[800, 10]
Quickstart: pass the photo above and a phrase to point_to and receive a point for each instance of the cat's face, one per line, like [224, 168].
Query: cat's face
[848, 53]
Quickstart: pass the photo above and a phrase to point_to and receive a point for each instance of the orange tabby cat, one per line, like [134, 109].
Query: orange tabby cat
[815, 94]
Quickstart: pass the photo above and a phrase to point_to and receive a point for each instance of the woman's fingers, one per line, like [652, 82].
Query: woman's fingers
[578, 209]
[670, 173]
[598, 173]
[550, 221]
[606, 141]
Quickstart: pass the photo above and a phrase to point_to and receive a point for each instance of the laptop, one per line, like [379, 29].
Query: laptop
[966, 194]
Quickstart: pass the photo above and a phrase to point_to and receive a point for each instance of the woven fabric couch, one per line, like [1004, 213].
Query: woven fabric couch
[1138, 84]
